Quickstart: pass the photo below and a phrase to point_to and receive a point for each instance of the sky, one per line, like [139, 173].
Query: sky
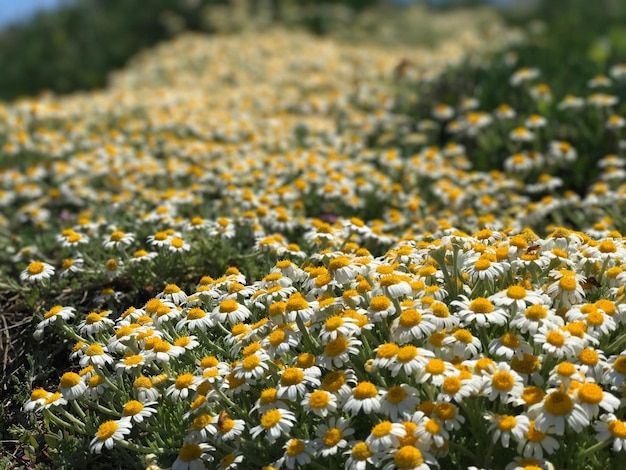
[15, 10]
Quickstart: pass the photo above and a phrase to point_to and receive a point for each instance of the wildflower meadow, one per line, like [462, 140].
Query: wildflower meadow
[280, 251]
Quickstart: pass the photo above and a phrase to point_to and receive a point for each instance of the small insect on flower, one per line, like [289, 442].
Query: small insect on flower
[37, 271]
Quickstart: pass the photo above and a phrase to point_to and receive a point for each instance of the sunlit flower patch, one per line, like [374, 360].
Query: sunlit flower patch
[271, 265]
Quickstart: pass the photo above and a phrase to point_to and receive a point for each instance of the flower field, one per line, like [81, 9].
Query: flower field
[279, 251]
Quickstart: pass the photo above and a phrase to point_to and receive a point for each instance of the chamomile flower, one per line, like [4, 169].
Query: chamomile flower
[274, 423]
[364, 397]
[298, 452]
[331, 436]
[137, 411]
[108, 433]
[320, 402]
[56, 314]
[480, 311]
[384, 436]
[193, 456]
[118, 240]
[609, 427]
[37, 271]
[398, 401]
[557, 409]
[360, 456]
[505, 427]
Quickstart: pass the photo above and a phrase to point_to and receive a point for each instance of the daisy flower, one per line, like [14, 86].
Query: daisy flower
[559, 342]
[72, 386]
[118, 240]
[591, 397]
[320, 402]
[480, 311]
[410, 359]
[330, 436]
[429, 431]
[230, 461]
[504, 383]
[56, 314]
[294, 382]
[509, 345]
[137, 411]
[95, 354]
[298, 452]
[504, 427]
[37, 271]
[337, 352]
[535, 443]
[193, 456]
[274, 422]
[364, 397]
[227, 429]
[555, 410]
[360, 456]
[609, 427]
[144, 389]
[409, 457]
[182, 386]
[398, 401]
[411, 325]
[108, 433]
[37, 400]
[384, 436]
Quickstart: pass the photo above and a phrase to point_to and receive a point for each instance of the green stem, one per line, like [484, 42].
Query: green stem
[593, 449]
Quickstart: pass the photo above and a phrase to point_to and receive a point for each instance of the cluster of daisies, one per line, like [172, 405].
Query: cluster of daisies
[402, 314]
[446, 343]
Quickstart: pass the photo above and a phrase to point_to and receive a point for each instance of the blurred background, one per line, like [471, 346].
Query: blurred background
[68, 45]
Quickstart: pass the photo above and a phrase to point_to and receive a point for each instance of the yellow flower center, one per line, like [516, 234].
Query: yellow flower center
[292, 376]
[516, 292]
[410, 318]
[533, 435]
[590, 393]
[558, 403]
[482, 264]
[276, 337]
[132, 408]
[171, 289]
[296, 303]
[250, 362]
[161, 346]
[334, 322]
[555, 338]
[481, 305]
[595, 318]
[361, 452]
[53, 311]
[588, 357]
[319, 399]
[406, 353]
[380, 303]
[444, 411]
[94, 350]
[566, 369]
[396, 394]
[334, 381]
[271, 418]
[295, 447]
[536, 312]
[617, 428]
[387, 350]
[436, 367]
[35, 267]
[510, 341]
[464, 336]
[183, 381]
[382, 429]
[305, 360]
[507, 423]
[335, 347]
[229, 306]
[201, 421]
[620, 365]
[332, 437]
[502, 381]
[567, 283]
[69, 380]
[432, 426]
[451, 385]
[408, 457]
[365, 390]
[607, 246]
[106, 430]
[190, 452]
[338, 262]
[142, 382]
[269, 395]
